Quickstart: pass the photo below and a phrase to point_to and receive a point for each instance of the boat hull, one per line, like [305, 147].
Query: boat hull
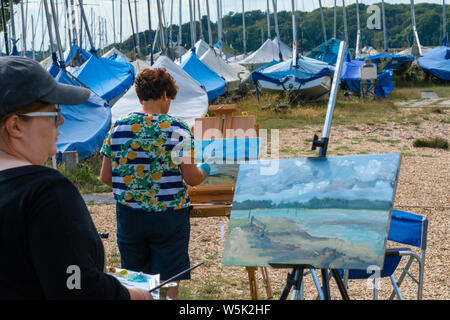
[313, 89]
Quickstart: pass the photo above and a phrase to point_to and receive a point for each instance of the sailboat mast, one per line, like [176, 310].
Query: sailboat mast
[416, 35]
[86, 25]
[243, 29]
[268, 20]
[161, 28]
[344, 12]
[180, 52]
[192, 25]
[209, 24]
[138, 44]
[5, 33]
[219, 22]
[150, 32]
[49, 26]
[334, 21]
[358, 32]
[199, 20]
[277, 31]
[444, 23]
[384, 27]
[324, 29]
[24, 34]
[58, 37]
[136, 54]
[294, 37]
[11, 19]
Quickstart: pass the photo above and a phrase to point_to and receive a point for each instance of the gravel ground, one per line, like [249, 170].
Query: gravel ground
[422, 188]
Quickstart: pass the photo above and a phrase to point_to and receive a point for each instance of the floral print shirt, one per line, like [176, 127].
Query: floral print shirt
[143, 149]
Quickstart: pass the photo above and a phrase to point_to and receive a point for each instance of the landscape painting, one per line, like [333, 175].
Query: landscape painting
[331, 212]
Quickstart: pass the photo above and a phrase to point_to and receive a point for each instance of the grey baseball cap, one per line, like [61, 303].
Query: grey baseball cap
[23, 81]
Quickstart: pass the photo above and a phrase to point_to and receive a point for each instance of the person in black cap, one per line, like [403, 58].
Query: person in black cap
[49, 246]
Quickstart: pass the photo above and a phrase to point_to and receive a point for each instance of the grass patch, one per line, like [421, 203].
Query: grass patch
[86, 176]
[349, 111]
[437, 143]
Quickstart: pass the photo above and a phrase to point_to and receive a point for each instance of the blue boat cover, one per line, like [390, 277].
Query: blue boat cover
[394, 61]
[86, 125]
[350, 76]
[437, 62]
[307, 69]
[68, 55]
[213, 83]
[328, 52]
[107, 78]
[54, 68]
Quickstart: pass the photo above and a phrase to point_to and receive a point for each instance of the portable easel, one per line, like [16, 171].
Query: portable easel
[215, 200]
[295, 278]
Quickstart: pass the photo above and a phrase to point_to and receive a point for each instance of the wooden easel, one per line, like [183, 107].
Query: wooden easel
[215, 200]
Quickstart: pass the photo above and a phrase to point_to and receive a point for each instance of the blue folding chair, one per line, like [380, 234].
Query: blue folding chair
[405, 228]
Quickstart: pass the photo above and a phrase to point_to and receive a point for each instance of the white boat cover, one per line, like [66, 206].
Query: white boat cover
[286, 52]
[242, 72]
[367, 51]
[267, 53]
[219, 66]
[140, 65]
[113, 52]
[191, 101]
[200, 48]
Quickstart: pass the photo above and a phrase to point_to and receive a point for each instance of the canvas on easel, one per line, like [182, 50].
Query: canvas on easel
[330, 212]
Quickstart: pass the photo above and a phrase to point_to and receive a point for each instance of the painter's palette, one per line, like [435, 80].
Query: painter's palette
[331, 212]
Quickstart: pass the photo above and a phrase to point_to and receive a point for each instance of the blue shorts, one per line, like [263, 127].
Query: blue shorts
[154, 242]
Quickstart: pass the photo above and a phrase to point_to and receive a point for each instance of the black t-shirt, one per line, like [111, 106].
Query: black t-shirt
[49, 246]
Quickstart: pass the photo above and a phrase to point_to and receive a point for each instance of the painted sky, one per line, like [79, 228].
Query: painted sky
[369, 177]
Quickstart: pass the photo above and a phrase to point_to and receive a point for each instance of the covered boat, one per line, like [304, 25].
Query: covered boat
[388, 61]
[223, 69]
[327, 52]
[268, 52]
[311, 78]
[211, 81]
[351, 78]
[108, 78]
[191, 101]
[437, 62]
[86, 125]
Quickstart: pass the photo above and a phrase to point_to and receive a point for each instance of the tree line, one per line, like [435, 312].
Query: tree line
[309, 33]
[314, 203]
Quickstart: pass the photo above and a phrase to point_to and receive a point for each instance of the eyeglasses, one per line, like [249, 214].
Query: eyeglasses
[57, 114]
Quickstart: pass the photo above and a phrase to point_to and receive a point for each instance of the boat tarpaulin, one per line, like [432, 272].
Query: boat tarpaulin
[328, 52]
[107, 78]
[211, 81]
[86, 125]
[307, 69]
[191, 101]
[391, 61]
[437, 62]
[351, 77]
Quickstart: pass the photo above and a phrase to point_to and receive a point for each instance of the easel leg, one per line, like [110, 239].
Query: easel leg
[294, 278]
[252, 282]
[325, 284]
[340, 284]
[266, 279]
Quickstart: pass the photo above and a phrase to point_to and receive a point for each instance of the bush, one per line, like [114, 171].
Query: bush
[437, 143]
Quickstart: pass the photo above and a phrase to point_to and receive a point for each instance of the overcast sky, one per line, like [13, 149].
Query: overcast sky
[104, 9]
